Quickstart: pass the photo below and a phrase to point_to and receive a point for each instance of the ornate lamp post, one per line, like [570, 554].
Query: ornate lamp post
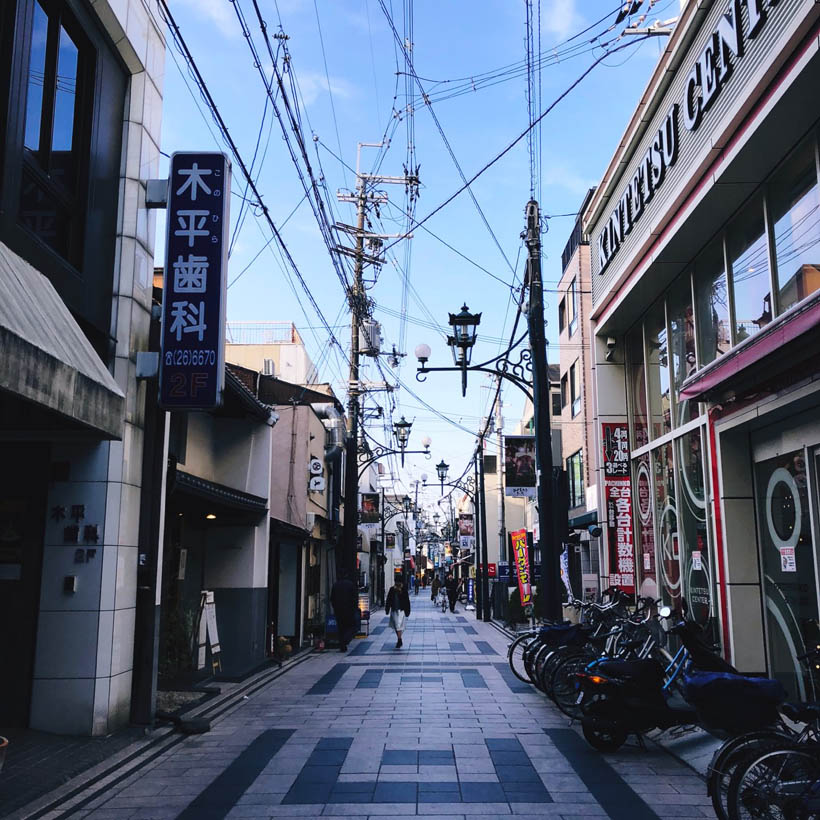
[441, 470]
[465, 326]
[401, 429]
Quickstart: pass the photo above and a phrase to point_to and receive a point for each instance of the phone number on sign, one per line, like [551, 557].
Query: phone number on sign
[190, 357]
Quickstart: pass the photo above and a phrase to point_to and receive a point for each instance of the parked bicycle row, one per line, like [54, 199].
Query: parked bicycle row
[626, 669]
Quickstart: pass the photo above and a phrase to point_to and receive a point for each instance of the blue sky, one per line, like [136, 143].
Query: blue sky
[347, 95]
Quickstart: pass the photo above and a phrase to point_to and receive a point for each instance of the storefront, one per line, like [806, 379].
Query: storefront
[705, 236]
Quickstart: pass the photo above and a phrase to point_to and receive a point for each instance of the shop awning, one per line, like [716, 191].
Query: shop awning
[218, 497]
[789, 342]
[46, 358]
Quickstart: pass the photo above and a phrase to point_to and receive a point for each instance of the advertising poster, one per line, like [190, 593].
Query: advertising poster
[465, 524]
[519, 466]
[618, 502]
[370, 508]
[522, 565]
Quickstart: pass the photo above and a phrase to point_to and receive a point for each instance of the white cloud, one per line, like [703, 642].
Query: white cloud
[219, 12]
[313, 84]
[560, 17]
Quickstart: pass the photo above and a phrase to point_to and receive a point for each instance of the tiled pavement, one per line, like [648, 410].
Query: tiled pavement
[439, 728]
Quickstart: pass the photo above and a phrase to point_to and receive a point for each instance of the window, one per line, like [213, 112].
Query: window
[712, 294]
[56, 129]
[575, 478]
[572, 307]
[564, 391]
[682, 345]
[63, 94]
[556, 404]
[562, 315]
[795, 215]
[657, 363]
[575, 388]
[490, 464]
[636, 376]
[749, 260]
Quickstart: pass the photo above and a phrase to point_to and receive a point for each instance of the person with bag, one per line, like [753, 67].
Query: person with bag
[453, 587]
[436, 586]
[397, 607]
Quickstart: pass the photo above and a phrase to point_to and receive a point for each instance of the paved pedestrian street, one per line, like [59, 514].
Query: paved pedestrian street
[440, 728]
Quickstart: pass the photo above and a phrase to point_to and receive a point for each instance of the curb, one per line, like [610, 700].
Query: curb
[63, 801]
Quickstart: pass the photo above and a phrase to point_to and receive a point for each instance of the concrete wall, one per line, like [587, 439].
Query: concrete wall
[84, 654]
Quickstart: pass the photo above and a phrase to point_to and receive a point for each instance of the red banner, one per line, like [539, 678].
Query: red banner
[618, 501]
[522, 565]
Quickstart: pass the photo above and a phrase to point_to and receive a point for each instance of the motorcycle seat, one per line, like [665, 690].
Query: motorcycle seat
[801, 712]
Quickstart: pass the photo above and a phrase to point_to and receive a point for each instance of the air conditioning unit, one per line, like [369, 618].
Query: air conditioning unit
[268, 367]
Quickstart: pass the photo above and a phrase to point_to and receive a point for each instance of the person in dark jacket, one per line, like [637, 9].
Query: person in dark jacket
[397, 607]
[452, 586]
[436, 586]
[345, 600]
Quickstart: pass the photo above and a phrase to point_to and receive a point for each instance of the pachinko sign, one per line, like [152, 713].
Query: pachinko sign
[618, 500]
[522, 565]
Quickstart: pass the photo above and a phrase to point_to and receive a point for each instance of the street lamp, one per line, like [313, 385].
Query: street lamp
[402, 430]
[465, 325]
[441, 470]
[408, 503]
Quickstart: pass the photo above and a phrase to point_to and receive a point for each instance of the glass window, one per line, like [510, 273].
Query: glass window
[645, 528]
[637, 386]
[712, 297]
[564, 390]
[666, 526]
[562, 315]
[789, 580]
[556, 404]
[682, 345]
[36, 78]
[657, 355]
[749, 260]
[575, 388]
[572, 307]
[795, 209]
[575, 476]
[696, 561]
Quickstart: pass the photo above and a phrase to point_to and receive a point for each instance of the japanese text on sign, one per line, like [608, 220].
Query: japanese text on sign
[618, 501]
[192, 361]
[522, 565]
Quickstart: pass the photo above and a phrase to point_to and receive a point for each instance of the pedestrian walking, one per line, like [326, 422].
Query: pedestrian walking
[452, 586]
[436, 586]
[398, 608]
[345, 600]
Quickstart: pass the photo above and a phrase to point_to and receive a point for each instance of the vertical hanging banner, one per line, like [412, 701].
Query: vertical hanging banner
[522, 565]
[192, 358]
[618, 501]
[519, 466]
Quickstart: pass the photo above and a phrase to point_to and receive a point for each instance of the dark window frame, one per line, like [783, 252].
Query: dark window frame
[577, 490]
[564, 390]
[86, 281]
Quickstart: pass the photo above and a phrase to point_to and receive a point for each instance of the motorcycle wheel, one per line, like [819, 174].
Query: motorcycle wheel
[603, 739]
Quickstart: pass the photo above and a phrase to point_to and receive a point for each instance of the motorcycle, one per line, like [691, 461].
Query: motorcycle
[618, 698]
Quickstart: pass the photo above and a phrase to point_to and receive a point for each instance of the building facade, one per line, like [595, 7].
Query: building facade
[80, 89]
[578, 442]
[705, 251]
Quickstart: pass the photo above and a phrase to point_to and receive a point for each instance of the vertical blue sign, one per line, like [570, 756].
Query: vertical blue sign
[192, 361]
[470, 590]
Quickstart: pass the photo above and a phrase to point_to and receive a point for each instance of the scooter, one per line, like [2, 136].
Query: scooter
[622, 697]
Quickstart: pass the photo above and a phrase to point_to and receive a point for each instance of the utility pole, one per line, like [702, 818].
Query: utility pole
[480, 569]
[485, 583]
[548, 523]
[502, 522]
[364, 197]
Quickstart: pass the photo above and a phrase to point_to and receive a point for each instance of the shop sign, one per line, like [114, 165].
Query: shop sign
[522, 565]
[788, 562]
[470, 590]
[519, 466]
[503, 570]
[618, 503]
[707, 77]
[192, 361]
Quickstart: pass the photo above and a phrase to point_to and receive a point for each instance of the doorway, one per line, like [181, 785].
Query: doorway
[23, 489]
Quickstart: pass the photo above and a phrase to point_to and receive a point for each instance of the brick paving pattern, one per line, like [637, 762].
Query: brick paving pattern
[440, 728]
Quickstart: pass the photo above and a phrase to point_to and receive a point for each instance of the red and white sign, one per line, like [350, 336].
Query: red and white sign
[492, 570]
[618, 501]
[522, 565]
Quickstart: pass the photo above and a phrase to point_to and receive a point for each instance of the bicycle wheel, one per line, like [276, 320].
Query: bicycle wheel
[548, 667]
[726, 759]
[564, 690]
[515, 655]
[533, 648]
[776, 785]
[540, 659]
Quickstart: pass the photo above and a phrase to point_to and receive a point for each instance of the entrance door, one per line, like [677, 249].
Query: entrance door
[23, 486]
[787, 563]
